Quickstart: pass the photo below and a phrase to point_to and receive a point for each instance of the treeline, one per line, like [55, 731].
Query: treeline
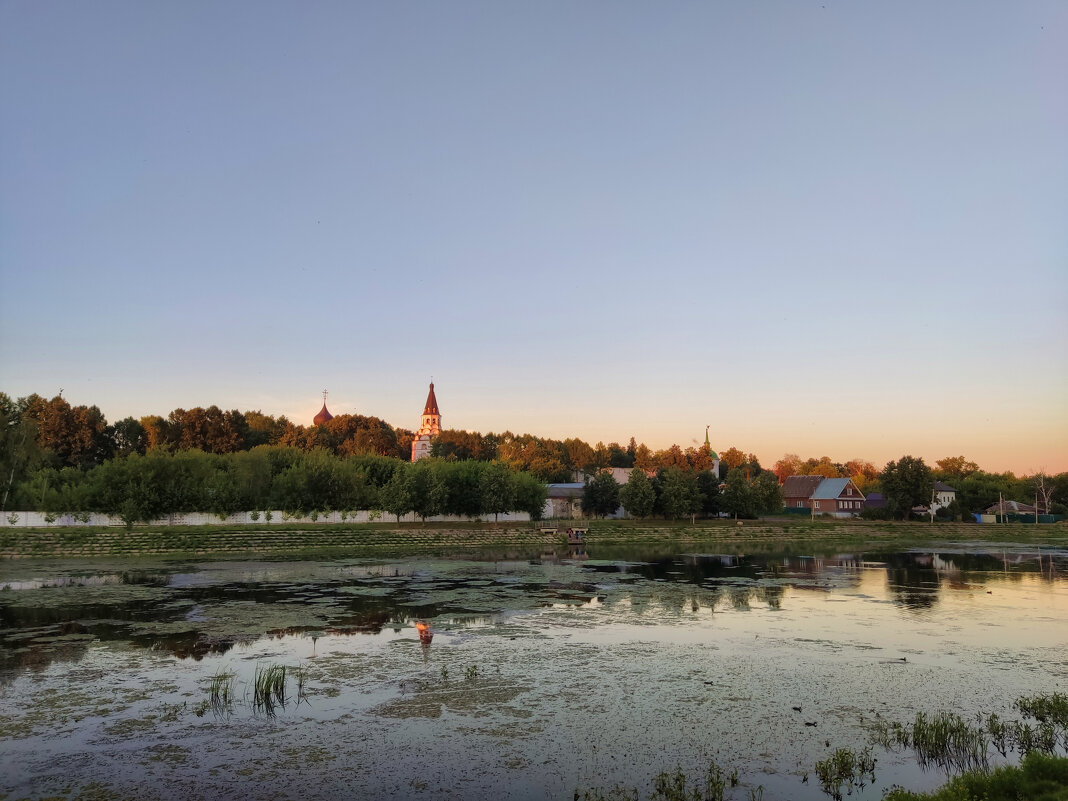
[863, 473]
[80, 436]
[38, 434]
[908, 484]
[674, 493]
[145, 487]
[56, 434]
[556, 460]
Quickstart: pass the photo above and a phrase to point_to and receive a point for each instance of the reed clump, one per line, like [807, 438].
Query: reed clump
[300, 675]
[676, 786]
[221, 692]
[848, 768]
[269, 688]
[956, 746]
[948, 741]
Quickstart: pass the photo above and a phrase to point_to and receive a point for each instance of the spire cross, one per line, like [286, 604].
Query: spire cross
[324, 397]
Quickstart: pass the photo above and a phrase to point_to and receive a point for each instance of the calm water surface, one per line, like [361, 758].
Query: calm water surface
[547, 674]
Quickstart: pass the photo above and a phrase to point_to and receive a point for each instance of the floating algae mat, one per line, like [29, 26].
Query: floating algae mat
[545, 676]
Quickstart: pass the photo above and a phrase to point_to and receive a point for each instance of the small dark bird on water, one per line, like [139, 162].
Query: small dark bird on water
[796, 708]
[813, 723]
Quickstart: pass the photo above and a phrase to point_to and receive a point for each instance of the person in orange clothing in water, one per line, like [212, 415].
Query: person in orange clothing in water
[425, 634]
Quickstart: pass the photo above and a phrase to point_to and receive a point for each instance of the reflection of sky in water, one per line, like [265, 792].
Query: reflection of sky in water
[867, 614]
[589, 673]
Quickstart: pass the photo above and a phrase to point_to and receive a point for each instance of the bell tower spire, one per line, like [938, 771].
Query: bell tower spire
[429, 427]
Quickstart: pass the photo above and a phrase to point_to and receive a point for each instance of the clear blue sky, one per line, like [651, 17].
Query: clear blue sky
[821, 227]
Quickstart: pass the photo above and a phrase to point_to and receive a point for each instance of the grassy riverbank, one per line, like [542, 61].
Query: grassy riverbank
[378, 539]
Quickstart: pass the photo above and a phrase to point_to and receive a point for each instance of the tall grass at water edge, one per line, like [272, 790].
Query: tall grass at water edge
[267, 692]
[221, 692]
[949, 742]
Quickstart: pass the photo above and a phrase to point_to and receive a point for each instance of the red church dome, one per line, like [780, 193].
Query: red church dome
[323, 416]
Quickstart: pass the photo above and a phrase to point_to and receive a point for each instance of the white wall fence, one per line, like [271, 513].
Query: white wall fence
[37, 519]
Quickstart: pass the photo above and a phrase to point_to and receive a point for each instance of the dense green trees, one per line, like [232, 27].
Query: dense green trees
[906, 483]
[677, 496]
[145, 487]
[19, 452]
[496, 490]
[750, 497]
[601, 495]
[638, 495]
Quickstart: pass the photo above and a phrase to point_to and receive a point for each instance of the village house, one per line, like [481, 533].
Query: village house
[797, 491]
[1010, 508]
[839, 497]
[564, 500]
[942, 495]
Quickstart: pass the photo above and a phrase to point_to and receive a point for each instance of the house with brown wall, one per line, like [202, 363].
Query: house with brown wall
[797, 491]
[839, 497]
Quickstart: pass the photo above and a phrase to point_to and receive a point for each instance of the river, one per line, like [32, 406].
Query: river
[547, 673]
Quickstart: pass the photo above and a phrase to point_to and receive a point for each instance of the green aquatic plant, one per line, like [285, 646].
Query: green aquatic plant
[1051, 708]
[1051, 712]
[471, 673]
[300, 674]
[949, 742]
[1042, 738]
[619, 793]
[221, 692]
[845, 767]
[269, 688]
[999, 733]
[675, 786]
[1038, 777]
[946, 740]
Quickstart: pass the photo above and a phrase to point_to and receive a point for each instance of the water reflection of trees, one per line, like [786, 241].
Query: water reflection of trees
[366, 599]
[915, 580]
[771, 594]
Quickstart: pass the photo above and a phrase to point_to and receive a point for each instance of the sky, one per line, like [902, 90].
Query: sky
[825, 228]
